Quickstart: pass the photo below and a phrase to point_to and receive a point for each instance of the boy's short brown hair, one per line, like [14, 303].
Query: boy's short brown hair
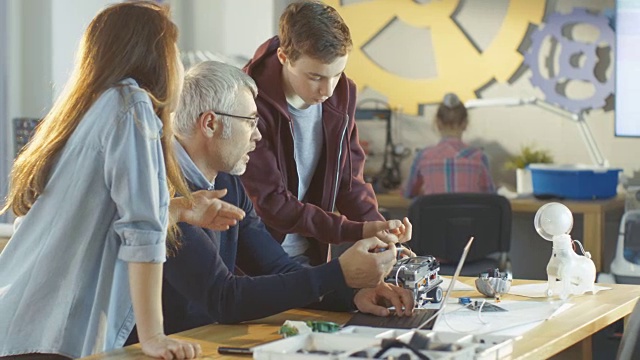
[314, 29]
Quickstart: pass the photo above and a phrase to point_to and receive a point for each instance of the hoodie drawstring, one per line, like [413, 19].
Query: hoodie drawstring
[350, 163]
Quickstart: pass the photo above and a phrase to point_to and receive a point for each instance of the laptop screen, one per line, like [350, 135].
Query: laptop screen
[443, 304]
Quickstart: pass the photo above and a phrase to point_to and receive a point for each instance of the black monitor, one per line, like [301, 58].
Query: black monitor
[373, 114]
[23, 129]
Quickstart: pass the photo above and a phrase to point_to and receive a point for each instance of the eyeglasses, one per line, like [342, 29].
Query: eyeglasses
[253, 119]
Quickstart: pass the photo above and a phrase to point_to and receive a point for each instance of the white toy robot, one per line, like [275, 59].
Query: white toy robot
[575, 274]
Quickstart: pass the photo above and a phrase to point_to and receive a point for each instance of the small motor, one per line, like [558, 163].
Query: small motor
[493, 283]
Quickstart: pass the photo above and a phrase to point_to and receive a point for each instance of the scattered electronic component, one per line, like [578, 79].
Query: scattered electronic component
[493, 283]
[464, 300]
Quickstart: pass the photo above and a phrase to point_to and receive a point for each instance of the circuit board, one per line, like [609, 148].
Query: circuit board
[476, 305]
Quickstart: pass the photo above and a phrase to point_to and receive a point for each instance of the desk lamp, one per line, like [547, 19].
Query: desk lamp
[587, 137]
[575, 273]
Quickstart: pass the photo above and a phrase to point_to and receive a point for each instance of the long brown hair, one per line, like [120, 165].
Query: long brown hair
[126, 40]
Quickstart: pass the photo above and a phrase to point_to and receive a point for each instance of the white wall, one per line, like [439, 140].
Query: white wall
[43, 38]
[32, 67]
[228, 27]
[69, 20]
[5, 157]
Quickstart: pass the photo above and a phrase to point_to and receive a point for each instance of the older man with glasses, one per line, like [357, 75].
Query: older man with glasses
[216, 129]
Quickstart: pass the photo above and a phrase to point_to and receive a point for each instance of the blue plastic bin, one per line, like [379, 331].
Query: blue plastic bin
[574, 181]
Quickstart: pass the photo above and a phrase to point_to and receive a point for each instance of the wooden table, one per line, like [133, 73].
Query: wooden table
[569, 333]
[593, 212]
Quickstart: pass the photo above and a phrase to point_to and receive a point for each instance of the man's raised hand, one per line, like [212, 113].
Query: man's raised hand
[206, 210]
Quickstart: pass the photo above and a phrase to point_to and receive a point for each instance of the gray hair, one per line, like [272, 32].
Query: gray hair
[210, 85]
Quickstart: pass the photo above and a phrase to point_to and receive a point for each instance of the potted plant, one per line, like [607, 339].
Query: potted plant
[528, 155]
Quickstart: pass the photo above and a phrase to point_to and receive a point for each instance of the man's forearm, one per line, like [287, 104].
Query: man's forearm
[338, 300]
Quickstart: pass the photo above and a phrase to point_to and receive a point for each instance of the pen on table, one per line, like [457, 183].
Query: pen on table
[230, 350]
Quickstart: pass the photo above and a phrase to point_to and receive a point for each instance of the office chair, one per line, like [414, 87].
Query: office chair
[443, 223]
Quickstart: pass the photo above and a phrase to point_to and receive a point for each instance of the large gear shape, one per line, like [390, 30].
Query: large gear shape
[461, 68]
[553, 27]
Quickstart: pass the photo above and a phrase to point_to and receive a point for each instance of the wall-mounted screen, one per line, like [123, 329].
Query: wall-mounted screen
[627, 110]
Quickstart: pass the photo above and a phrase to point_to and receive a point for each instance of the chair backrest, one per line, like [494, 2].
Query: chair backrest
[442, 224]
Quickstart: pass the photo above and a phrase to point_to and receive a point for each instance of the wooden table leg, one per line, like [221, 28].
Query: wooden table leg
[582, 350]
[593, 233]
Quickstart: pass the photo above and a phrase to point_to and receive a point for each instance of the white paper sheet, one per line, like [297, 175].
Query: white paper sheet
[521, 317]
[539, 290]
[458, 286]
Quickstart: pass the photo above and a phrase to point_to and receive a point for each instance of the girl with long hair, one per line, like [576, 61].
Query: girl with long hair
[93, 192]
[451, 165]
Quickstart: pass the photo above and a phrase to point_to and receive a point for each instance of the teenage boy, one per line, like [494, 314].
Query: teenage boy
[309, 164]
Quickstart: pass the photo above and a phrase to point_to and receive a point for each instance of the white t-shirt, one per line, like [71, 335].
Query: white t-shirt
[307, 144]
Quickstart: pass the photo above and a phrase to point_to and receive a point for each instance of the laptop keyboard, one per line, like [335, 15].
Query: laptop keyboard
[418, 317]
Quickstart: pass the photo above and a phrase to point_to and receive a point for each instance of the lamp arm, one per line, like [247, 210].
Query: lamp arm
[590, 141]
[495, 102]
[585, 131]
[554, 109]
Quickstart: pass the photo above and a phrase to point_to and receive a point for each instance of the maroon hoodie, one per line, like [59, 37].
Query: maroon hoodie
[271, 178]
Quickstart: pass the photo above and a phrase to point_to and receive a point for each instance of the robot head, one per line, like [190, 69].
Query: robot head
[553, 219]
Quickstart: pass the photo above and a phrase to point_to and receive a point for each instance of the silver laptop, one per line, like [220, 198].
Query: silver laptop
[421, 318]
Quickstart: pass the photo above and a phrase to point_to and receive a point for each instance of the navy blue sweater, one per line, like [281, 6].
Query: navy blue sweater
[201, 285]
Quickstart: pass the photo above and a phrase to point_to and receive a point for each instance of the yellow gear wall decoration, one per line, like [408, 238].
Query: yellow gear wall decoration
[460, 67]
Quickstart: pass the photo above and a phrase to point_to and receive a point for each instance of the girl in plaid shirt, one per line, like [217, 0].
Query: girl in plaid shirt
[452, 165]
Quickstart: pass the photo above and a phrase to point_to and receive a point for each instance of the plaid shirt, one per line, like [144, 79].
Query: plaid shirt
[450, 166]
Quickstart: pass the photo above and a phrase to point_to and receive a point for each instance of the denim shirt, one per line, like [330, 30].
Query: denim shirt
[64, 284]
[189, 169]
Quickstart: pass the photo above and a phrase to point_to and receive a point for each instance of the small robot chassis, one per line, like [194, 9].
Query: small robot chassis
[420, 274]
